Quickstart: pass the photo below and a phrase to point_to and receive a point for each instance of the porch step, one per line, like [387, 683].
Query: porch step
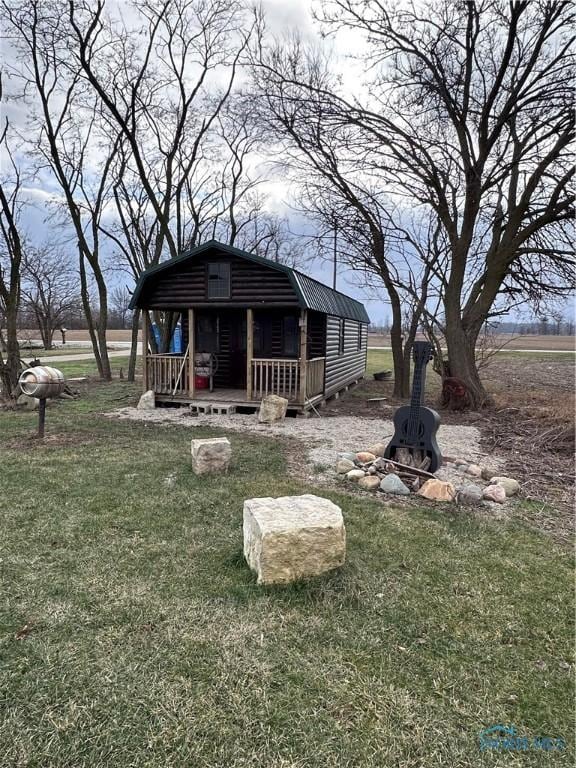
[223, 409]
[220, 409]
[200, 406]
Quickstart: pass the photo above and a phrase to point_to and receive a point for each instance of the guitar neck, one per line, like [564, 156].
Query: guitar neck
[418, 386]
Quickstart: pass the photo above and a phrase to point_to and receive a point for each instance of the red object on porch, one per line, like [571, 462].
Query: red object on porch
[201, 382]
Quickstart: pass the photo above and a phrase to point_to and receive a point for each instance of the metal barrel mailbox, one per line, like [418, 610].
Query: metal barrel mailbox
[42, 381]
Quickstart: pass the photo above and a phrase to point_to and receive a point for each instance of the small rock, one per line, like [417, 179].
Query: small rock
[348, 455]
[377, 449]
[461, 463]
[372, 470]
[488, 473]
[474, 470]
[469, 494]
[510, 485]
[147, 402]
[364, 457]
[494, 493]
[369, 483]
[344, 465]
[355, 474]
[437, 490]
[392, 484]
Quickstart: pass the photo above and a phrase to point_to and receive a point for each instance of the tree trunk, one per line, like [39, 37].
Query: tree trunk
[10, 363]
[97, 332]
[461, 346]
[134, 345]
[401, 374]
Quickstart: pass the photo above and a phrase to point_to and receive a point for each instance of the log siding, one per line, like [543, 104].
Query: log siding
[185, 285]
[277, 329]
[341, 369]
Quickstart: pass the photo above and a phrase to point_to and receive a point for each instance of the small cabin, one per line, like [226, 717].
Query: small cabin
[248, 327]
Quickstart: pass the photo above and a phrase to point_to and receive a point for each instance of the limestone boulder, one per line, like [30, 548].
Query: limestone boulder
[211, 455]
[377, 449]
[147, 402]
[293, 537]
[355, 474]
[272, 409]
[510, 485]
[437, 490]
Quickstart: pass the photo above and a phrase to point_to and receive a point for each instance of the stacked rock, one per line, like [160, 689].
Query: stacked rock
[372, 472]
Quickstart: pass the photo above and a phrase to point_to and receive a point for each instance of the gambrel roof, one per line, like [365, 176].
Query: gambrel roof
[311, 293]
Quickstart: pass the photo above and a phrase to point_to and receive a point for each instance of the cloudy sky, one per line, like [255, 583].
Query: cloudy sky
[41, 189]
[283, 16]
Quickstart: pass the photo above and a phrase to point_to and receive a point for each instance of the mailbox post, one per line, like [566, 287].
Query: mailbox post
[42, 382]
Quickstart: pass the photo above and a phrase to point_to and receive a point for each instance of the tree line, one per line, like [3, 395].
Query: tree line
[445, 175]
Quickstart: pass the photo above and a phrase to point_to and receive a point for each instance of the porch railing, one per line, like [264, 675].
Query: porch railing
[167, 374]
[275, 377]
[170, 375]
[315, 376]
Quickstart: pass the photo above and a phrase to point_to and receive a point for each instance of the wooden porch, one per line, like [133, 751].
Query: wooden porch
[299, 379]
[171, 378]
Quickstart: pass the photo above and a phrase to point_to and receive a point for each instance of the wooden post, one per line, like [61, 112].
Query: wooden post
[249, 351]
[145, 350]
[303, 353]
[191, 352]
[41, 417]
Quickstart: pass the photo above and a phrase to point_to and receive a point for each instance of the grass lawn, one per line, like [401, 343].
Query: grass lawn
[133, 634]
[30, 352]
[73, 368]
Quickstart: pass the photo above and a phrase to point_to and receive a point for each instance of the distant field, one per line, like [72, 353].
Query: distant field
[507, 341]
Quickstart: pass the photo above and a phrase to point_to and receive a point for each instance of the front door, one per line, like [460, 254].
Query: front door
[223, 333]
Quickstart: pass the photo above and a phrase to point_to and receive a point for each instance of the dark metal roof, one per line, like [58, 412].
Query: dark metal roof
[311, 293]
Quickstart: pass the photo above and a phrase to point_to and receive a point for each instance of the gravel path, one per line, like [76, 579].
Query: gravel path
[324, 437]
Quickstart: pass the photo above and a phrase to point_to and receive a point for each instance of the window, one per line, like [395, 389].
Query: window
[218, 278]
[359, 337]
[341, 335]
[275, 335]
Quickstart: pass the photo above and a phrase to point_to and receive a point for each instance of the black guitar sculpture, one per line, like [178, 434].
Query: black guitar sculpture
[415, 427]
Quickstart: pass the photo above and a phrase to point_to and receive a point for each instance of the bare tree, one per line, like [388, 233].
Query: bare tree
[164, 83]
[64, 122]
[120, 298]
[468, 116]
[50, 289]
[335, 194]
